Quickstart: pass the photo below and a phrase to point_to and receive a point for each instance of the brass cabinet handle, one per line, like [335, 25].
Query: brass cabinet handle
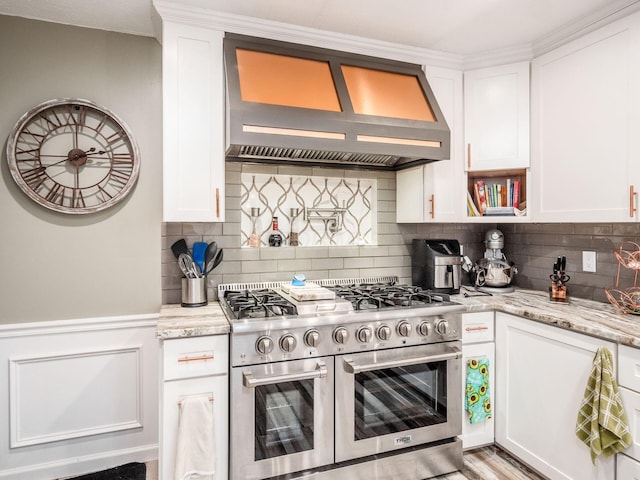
[433, 205]
[217, 203]
[632, 203]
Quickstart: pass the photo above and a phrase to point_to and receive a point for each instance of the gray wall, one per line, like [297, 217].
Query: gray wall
[57, 266]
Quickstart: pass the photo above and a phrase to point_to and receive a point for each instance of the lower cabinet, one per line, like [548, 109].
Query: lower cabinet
[192, 367]
[629, 382]
[477, 341]
[542, 373]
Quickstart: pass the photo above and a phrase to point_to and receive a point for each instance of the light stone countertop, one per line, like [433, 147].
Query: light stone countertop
[583, 316]
[178, 322]
[597, 319]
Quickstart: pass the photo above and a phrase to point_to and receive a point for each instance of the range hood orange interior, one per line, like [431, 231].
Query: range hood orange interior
[292, 103]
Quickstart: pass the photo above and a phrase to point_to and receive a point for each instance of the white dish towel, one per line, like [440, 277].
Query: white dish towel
[195, 444]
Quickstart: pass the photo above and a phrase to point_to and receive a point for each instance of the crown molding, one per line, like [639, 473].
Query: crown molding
[584, 25]
[205, 18]
[286, 32]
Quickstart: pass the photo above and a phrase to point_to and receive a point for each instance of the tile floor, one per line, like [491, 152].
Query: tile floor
[488, 463]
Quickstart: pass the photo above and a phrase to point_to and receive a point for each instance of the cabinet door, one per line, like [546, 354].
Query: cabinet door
[542, 373]
[216, 387]
[496, 117]
[430, 193]
[631, 403]
[193, 116]
[585, 107]
[628, 469]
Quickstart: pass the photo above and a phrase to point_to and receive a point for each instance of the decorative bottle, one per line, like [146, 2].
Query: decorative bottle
[275, 239]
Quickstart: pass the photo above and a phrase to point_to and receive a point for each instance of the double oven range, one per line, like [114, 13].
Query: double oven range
[365, 385]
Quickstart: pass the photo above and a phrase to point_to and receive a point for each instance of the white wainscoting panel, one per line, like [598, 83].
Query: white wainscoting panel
[62, 396]
[77, 396]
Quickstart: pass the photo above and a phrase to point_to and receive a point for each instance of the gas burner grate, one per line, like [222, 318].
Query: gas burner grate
[258, 304]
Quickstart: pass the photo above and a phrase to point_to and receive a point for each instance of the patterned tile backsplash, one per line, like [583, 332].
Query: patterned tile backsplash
[322, 211]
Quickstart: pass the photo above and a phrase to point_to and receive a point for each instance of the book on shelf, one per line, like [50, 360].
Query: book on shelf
[472, 210]
[499, 211]
[497, 198]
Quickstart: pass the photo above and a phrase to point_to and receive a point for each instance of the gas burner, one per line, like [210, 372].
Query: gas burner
[374, 296]
[258, 304]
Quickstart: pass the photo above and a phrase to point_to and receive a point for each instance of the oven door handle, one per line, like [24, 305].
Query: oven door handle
[351, 366]
[250, 381]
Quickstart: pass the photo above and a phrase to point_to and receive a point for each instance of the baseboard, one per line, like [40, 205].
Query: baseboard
[71, 467]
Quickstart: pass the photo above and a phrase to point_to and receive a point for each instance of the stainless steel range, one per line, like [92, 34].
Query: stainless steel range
[357, 377]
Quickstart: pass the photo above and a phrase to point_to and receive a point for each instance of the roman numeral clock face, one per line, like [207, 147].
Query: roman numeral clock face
[73, 156]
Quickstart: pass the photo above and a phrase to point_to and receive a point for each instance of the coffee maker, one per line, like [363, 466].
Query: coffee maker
[436, 265]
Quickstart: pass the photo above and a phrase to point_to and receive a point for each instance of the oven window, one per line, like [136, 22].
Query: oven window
[284, 419]
[398, 399]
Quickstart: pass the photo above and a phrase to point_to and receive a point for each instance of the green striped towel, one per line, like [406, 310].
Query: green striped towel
[602, 423]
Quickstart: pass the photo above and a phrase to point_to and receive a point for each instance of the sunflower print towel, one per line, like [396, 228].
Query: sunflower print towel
[477, 401]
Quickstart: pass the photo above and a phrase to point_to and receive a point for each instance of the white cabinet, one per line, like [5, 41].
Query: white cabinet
[629, 383]
[542, 373]
[585, 123]
[496, 117]
[627, 468]
[477, 341]
[194, 366]
[430, 193]
[194, 124]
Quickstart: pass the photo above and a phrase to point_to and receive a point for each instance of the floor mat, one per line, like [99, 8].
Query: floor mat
[129, 471]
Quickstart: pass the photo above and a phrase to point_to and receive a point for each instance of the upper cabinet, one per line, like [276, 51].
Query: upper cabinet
[194, 124]
[431, 192]
[585, 124]
[496, 117]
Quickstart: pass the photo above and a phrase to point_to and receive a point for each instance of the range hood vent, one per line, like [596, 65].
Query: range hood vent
[290, 103]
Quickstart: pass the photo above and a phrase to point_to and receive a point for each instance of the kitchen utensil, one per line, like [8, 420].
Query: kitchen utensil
[198, 252]
[188, 266]
[210, 256]
[216, 261]
[179, 247]
[562, 278]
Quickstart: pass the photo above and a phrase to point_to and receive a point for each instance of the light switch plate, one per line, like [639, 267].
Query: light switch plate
[588, 261]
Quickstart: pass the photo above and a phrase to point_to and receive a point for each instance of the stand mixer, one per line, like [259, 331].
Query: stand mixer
[493, 273]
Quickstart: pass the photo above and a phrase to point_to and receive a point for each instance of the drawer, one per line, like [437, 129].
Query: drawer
[477, 327]
[631, 403]
[195, 356]
[628, 468]
[629, 367]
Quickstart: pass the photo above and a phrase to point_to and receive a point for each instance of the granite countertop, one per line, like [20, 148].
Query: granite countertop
[584, 316]
[597, 319]
[177, 322]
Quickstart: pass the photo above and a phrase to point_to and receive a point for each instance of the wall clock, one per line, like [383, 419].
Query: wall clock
[73, 156]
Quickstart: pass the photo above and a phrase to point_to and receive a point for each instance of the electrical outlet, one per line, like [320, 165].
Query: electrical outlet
[588, 261]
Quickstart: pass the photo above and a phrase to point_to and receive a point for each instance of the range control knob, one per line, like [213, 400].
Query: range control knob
[404, 328]
[423, 329]
[264, 345]
[340, 335]
[311, 338]
[383, 333]
[442, 327]
[288, 343]
[363, 334]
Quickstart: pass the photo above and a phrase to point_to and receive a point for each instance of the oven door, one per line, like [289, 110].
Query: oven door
[392, 399]
[281, 417]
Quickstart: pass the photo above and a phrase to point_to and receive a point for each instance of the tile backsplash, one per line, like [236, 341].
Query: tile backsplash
[532, 247]
[319, 211]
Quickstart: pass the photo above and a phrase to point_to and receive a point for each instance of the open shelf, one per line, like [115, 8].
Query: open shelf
[505, 193]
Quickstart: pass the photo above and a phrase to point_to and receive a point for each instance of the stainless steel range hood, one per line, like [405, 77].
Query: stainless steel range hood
[289, 103]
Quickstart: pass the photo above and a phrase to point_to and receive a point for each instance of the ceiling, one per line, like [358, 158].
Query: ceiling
[464, 27]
